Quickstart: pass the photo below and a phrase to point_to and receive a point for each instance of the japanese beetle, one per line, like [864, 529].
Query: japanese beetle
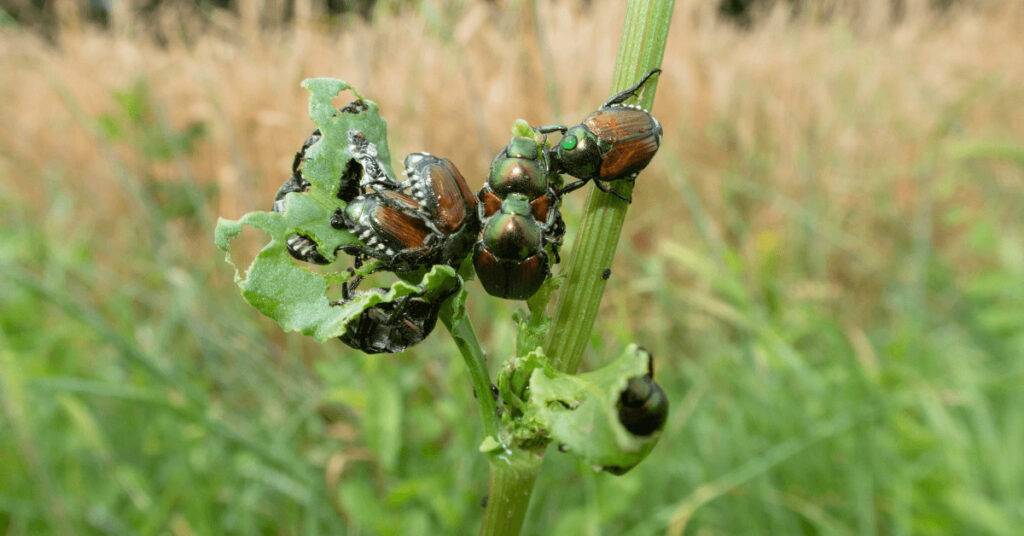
[643, 406]
[299, 246]
[615, 142]
[509, 257]
[390, 228]
[519, 212]
[446, 202]
[295, 183]
[521, 167]
[391, 327]
[429, 218]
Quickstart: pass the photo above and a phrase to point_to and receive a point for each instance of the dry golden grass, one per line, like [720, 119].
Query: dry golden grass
[824, 257]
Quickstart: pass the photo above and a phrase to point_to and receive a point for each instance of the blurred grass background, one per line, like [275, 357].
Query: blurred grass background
[826, 259]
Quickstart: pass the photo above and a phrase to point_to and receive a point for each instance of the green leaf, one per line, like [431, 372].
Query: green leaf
[296, 298]
[581, 412]
[515, 377]
[281, 287]
[520, 127]
[532, 328]
[326, 160]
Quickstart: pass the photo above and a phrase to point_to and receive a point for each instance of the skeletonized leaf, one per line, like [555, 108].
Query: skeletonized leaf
[581, 412]
[287, 290]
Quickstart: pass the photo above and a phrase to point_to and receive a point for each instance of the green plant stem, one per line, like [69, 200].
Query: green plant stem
[465, 339]
[513, 473]
[643, 44]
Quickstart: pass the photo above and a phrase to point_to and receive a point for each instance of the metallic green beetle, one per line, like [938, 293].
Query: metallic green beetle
[519, 212]
[613, 143]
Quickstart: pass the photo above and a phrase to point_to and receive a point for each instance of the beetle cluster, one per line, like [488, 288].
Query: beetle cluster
[519, 212]
[519, 203]
[427, 219]
[513, 225]
[430, 218]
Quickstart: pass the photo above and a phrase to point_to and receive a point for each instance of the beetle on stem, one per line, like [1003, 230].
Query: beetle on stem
[613, 143]
[519, 212]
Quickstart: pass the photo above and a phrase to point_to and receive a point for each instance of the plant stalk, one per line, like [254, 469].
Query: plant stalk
[641, 49]
[512, 476]
[644, 33]
[465, 339]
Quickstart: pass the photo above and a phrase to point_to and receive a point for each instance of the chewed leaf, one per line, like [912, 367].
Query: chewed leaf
[327, 159]
[307, 216]
[582, 413]
[286, 290]
[309, 213]
[532, 327]
[295, 297]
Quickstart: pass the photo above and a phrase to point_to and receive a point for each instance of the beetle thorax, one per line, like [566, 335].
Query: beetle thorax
[579, 154]
[519, 175]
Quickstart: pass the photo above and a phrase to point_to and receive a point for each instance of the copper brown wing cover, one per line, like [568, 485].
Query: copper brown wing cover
[453, 196]
[632, 136]
[407, 229]
[490, 201]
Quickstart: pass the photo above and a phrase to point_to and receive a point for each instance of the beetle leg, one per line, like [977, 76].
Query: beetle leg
[346, 293]
[555, 231]
[549, 155]
[404, 260]
[451, 292]
[573, 186]
[554, 251]
[554, 221]
[556, 247]
[348, 287]
[352, 285]
[547, 265]
[608, 190]
[365, 152]
[619, 98]
[399, 310]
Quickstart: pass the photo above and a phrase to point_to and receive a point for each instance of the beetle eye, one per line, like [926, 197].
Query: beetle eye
[569, 142]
